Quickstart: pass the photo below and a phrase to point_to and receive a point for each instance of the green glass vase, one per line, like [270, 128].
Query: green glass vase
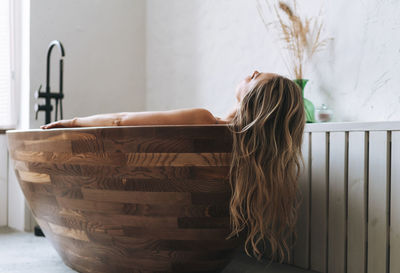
[308, 105]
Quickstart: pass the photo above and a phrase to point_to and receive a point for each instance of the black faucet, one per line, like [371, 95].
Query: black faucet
[47, 107]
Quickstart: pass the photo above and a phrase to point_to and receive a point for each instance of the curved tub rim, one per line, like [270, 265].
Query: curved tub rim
[112, 127]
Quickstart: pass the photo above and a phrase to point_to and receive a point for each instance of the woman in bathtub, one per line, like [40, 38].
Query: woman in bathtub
[267, 126]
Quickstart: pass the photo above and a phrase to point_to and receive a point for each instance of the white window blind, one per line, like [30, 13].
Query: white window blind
[5, 64]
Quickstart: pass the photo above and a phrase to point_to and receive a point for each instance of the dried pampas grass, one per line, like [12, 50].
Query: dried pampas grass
[302, 38]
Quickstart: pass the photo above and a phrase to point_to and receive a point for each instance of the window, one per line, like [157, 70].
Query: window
[5, 64]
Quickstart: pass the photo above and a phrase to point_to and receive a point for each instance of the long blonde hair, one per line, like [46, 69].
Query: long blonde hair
[266, 159]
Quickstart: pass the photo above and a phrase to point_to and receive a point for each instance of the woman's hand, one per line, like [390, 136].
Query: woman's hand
[60, 124]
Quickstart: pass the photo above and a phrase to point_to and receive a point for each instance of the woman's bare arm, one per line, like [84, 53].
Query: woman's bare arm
[172, 117]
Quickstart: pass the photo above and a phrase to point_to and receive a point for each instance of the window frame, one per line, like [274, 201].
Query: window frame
[13, 89]
[13, 95]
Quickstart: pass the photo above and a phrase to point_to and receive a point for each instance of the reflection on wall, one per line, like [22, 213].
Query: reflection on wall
[197, 51]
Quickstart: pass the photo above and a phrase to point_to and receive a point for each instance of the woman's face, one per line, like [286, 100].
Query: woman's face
[249, 82]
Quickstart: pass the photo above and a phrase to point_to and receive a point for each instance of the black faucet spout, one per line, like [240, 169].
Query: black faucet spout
[62, 52]
[48, 95]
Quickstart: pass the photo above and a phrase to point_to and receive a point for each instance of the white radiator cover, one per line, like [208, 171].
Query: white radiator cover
[350, 184]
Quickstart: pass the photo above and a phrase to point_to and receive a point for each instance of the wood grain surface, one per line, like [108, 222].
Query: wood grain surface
[130, 199]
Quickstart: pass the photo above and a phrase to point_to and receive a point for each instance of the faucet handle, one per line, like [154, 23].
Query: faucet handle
[39, 108]
[37, 92]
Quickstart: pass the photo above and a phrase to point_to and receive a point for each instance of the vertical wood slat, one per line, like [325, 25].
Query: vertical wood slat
[357, 191]
[377, 193]
[395, 205]
[337, 209]
[302, 247]
[3, 180]
[318, 202]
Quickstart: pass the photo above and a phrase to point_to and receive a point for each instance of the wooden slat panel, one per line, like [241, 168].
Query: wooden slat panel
[34, 177]
[145, 185]
[47, 145]
[69, 232]
[156, 244]
[204, 267]
[203, 137]
[105, 159]
[139, 250]
[377, 230]
[302, 247]
[83, 143]
[175, 234]
[176, 210]
[118, 172]
[356, 258]
[395, 204]
[137, 197]
[106, 261]
[131, 159]
[80, 263]
[318, 202]
[132, 220]
[175, 144]
[202, 198]
[169, 131]
[93, 222]
[337, 209]
[178, 159]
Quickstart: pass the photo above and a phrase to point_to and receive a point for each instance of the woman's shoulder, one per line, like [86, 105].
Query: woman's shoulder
[194, 115]
[221, 121]
[199, 116]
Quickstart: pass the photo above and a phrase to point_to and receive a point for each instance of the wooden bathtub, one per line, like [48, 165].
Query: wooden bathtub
[130, 199]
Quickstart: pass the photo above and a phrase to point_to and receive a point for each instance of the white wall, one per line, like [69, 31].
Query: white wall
[104, 66]
[3, 180]
[198, 50]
